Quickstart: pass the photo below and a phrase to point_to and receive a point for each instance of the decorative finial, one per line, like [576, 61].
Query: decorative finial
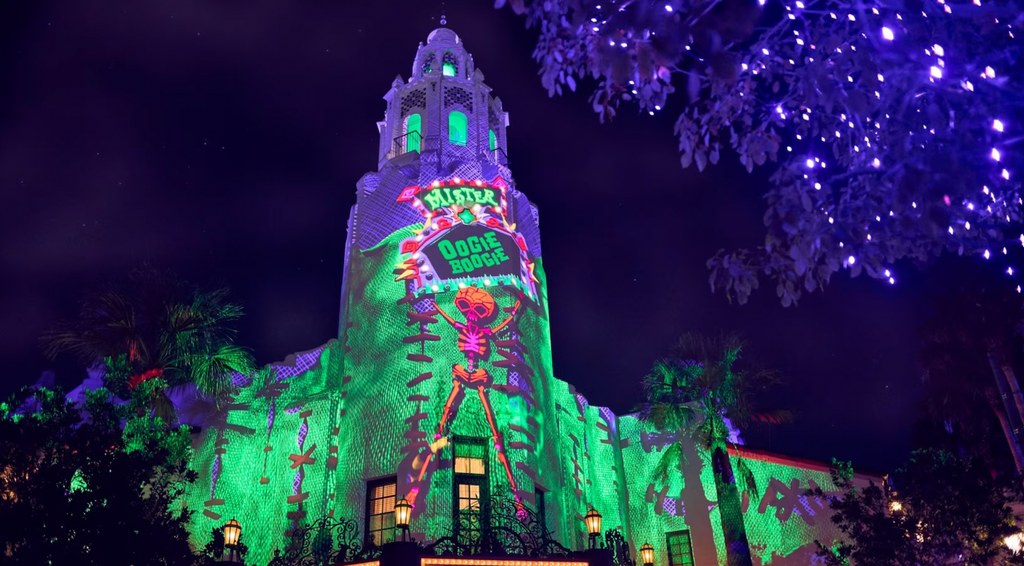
[443, 21]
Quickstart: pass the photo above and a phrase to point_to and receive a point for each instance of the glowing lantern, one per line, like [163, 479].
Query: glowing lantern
[593, 521]
[232, 532]
[403, 514]
[647, 554]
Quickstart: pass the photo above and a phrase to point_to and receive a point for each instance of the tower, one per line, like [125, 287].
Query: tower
[444, 315]
[439, 388]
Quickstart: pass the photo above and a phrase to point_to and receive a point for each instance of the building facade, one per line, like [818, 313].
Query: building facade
[439, 388]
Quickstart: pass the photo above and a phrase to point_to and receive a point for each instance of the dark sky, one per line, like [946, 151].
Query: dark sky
[223, 140]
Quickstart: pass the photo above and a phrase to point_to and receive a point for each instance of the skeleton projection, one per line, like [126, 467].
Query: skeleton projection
[475, 336]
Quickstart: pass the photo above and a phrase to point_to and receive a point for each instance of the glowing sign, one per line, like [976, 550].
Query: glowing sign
[474, 251]
[438, 197]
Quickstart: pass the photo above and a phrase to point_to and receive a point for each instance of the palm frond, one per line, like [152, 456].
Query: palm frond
[211, 372]
[671, 458]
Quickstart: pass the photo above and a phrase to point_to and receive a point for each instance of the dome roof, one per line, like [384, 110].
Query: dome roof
[443, 34]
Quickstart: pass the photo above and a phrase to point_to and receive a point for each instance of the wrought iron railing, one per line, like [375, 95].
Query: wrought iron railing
[505, 528]
[502, 528]
[405, 143]
[326, 541]
[499, 156]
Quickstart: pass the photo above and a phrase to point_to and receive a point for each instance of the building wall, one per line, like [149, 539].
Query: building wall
[302, 441]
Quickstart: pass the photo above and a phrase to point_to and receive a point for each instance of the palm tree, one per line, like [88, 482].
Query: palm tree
[159, 331]
[696, 394]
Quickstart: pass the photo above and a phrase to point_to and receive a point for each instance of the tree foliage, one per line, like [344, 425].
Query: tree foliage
[695, 395]
[891, 125]
[947, 509]
[157, 332]
[973, 320]
[76, 491]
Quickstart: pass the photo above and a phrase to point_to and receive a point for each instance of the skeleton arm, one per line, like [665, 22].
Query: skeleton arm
[504, 323]
[440, 311]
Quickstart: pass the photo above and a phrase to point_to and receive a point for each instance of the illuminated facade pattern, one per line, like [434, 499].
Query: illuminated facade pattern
[441, 376]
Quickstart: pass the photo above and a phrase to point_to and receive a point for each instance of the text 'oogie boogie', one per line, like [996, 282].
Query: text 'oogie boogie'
[472, 253]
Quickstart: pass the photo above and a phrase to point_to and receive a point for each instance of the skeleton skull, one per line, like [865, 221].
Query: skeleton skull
[475, 303]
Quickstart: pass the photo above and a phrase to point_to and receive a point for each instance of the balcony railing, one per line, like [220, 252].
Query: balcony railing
[411, 141]
[498, 156]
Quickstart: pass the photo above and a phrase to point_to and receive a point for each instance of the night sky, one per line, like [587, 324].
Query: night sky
[223, 140]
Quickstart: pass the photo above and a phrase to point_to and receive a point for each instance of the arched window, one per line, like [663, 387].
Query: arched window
[448, 64]
[492, 140]
[457, 127]
[413, 132]
[428, 63]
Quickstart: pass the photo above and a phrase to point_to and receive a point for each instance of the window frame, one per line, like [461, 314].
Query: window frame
[668, 546]
[370, 486]
[464, 140]
[406, 132]
[480, 480]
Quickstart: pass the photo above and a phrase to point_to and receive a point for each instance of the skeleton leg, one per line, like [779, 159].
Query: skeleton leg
[499, 442]
[449, 409]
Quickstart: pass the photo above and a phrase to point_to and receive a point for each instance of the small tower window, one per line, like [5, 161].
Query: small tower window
[492, 140]
[457, 127]
[413, 132]
[428, 63]
[448, 66]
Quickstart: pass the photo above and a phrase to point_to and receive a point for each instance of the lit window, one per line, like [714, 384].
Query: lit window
[448, 64]
[380, 511]
[471, 488]
[680, 550]
[466, 465]
[469, 497]
[457, 128]
[413, 132]
[492, 140]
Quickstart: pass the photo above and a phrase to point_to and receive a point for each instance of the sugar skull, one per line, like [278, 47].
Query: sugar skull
[475, 303]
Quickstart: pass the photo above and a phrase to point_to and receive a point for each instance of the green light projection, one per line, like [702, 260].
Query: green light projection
[302, 439]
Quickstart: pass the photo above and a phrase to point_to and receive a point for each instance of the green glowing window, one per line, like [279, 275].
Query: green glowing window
[448, 64]
[457, 127]
[492, 140]
[413, 131]
[680, 549]
[380, 511]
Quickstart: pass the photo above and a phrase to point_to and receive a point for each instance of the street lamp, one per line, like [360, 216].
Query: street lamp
[593, 521]
[403, 513]
[232, 532]
[647, 554]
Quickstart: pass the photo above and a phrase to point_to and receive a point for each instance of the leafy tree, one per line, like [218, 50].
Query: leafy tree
[692, 394]
[76, 491]
[158, 331]
[968, 348]
[892, 124]
[948, 509]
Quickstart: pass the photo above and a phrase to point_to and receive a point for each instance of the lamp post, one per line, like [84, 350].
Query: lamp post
[403, 514]
[647, 554]
[593, 521]
[232, 533]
